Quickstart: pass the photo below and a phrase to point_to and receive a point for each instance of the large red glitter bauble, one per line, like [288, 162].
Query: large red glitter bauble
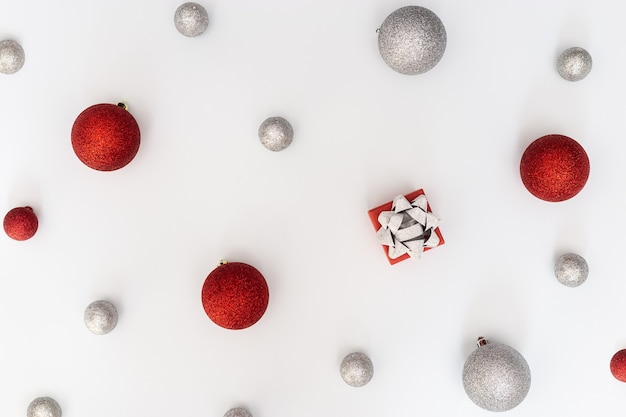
[105, 137]
[618, 365]
[554, 168]
[235, 295]
[20, 223]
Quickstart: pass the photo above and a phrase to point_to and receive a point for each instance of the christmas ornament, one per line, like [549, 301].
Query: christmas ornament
[571, 270]
[496, 377]
[237, 412]
[44, 407]
[100, 317]
[554, 168]
[21, 223]
[191, 19]
[618, 365]
[574, 64]
[275, 133]
[412, 40]
[356, 369]
[11, 57]
[105, 137]
[235, 295]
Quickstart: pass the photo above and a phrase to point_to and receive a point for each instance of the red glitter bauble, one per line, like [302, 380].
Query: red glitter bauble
[235, 295]
[21, 223]
[554, 168]
[618, 365]
[105, 137]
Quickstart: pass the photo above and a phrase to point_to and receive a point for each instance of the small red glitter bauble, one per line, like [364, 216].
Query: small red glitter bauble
[618, 365]
[235, 295]
[554, 168]
[105, 137]
[21, 223]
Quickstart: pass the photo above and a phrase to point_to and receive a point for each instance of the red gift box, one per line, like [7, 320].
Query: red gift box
[375, 212]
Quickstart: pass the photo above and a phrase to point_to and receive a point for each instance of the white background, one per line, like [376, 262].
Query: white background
[203, 188]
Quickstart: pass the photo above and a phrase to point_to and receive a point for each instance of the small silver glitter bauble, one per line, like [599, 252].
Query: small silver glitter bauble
[412, 40]
[356, 369]
[571, 270]
[44, 407]
[574, 64]
[191, 19]
[100, 317]
[11, 57]
[237, 412]
[275, 133]
[496, 377]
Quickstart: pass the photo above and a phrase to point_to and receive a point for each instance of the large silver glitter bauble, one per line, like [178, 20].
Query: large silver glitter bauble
[11, 57]
[237, 412]
[191, 19]
[496, 377]
[356, 369]
[574, 64]
[412, 40]
[100, 317]
[571, 270]
[276, 133]
[44, 407]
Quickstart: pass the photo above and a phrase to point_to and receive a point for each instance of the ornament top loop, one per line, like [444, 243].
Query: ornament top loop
[122, 105]
[222, 262]
[481, 341]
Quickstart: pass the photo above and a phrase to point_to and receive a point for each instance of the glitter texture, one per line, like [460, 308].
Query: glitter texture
[574, 64]
[356, 369]
[11, 57]
[105, 137]
[275, 133]
[235, 295]
[237, 412]
[21, 223]
[618, 365]
[44, 407]
[571, 270]
[191, 19]
[100, 317]
[554, 168]
[412, 40]
[496, 377]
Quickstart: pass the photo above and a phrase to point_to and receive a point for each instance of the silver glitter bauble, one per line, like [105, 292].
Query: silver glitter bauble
[11, 57]
[571, 270]
[237, 412]
[100, 317]
[574, 64]
[356, 369]
[412, 40]
[496, 377]
[44, 407]
[276, 133]
[191, 19]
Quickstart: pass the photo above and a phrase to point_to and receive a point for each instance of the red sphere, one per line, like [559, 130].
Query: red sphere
[235, 295]
[618, 365]
[105, 137]
[554, 168]
[21, 223]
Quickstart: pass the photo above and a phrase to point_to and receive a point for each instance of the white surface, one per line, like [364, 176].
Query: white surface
[203, 188]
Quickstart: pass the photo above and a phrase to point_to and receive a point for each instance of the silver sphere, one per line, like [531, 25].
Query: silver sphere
[571, 270]
[276, 133]
[100, 317]
[412, 40]
[237, 412]
[43, 407]
[574, 64]
[191, 19]
[11, 57]
[496, 377]
[356, 369]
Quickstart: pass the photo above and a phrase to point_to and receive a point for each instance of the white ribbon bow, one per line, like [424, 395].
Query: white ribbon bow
[409, 228]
